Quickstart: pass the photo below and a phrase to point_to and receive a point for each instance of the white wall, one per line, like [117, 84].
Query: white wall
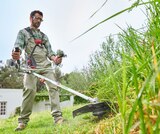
[13, 97]
[45, 105]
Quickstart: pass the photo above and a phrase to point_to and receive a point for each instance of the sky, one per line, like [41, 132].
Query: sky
[63, 21]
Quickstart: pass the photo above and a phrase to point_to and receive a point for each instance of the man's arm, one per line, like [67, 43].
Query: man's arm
[51, 55]
[19, 43]
[48, 47]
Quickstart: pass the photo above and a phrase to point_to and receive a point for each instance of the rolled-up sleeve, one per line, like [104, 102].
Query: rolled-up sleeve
[20, 40]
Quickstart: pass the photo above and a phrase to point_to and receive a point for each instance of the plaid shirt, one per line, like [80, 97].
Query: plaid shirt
[23, 36]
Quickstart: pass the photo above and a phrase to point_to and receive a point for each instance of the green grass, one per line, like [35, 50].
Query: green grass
[42, 123]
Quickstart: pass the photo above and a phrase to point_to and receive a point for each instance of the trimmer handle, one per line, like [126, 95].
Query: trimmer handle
[60, 53]
[16, 49]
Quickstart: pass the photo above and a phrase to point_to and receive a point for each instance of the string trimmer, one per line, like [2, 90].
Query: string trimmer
[97, 108]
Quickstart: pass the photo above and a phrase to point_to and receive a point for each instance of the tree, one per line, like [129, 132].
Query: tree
[11, 78]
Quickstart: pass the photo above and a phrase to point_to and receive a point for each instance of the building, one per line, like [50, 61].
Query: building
[10, 99]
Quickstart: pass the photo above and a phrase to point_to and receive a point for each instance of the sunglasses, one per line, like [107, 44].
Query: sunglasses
[37, 18]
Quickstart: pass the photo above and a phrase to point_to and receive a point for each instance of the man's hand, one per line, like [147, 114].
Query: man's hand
[56, 59]
[15, 55]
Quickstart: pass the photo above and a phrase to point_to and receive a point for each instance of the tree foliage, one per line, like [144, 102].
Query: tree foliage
[10, 78]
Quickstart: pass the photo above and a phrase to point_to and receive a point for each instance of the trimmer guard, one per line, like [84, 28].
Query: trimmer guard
[98, 109]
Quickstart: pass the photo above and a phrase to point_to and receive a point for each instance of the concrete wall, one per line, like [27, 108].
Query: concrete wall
[45, 105]
[13, 97]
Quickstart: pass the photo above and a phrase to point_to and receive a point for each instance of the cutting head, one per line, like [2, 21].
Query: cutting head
[97, 109]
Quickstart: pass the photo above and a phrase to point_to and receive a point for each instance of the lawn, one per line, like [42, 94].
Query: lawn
[42, 123]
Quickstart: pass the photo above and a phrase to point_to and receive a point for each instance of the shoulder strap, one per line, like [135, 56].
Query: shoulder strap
[42, 35]
[29, 31]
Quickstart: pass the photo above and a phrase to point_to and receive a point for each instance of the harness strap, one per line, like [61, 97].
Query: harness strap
[31, 61]
[28, 29]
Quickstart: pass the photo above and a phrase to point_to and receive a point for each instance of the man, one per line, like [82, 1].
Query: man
[38, 54]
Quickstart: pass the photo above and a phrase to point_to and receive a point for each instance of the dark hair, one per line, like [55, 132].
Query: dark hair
[36, 11]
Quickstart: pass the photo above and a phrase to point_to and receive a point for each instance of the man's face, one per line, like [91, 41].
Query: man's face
[36, 20]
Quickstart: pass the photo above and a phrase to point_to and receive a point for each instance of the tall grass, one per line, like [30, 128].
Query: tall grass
[130, 74]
